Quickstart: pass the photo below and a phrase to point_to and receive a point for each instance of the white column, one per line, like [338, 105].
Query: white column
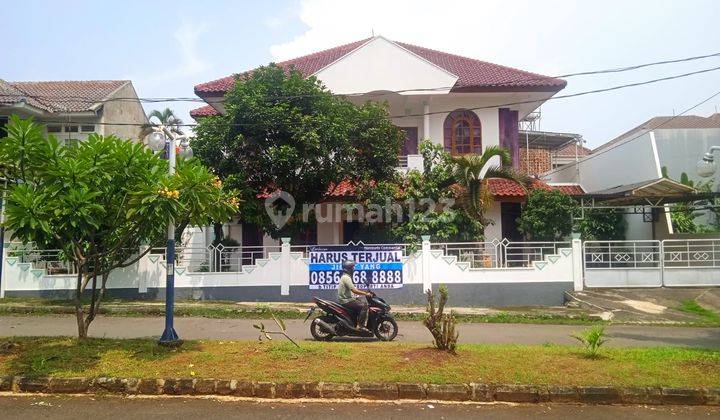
[285, 260]
[426, 121]
[427, 281]
[577, 266]
[5, 267]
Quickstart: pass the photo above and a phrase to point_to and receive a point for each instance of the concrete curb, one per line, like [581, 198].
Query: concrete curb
[475, 392]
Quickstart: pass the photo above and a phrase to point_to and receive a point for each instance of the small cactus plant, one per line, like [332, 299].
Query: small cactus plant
[442, 326]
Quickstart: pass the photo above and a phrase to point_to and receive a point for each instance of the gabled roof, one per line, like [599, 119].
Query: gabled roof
[666, 123]
[60, 96]
[473, 75]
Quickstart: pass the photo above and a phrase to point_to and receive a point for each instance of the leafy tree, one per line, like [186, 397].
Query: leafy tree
[165, 117]
[547, 215]
[284, 131]
[473, 171]
[100, 202]
[684, 215]
[602, 225]
[426, 202]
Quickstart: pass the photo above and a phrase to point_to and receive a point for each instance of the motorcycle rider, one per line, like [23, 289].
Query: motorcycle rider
[346, 289]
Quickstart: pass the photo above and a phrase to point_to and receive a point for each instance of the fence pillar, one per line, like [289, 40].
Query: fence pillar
[3, 273]
[425, 263]
[285, 262]
[577, 264]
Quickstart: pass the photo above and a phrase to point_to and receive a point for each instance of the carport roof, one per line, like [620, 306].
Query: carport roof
[654, 192]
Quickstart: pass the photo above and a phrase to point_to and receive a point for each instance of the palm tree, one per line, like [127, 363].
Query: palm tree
[473, 171]
[166, 117]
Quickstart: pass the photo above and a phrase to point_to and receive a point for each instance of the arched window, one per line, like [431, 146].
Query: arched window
[462, 133]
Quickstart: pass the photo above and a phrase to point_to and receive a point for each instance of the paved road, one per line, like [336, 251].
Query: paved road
[117, 408]
[238, 329]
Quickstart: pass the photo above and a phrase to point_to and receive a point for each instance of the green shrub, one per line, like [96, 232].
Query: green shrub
[592, 338]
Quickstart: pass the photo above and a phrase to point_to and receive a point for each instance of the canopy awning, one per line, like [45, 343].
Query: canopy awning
[655, 192]
[546, 139]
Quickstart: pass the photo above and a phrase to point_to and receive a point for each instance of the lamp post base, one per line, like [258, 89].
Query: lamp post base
[170, 338]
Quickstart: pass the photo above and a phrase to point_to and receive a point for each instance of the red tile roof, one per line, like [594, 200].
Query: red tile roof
[344, 188]
[569, 189]
[61, 96]
[505, 188]
[499, 188]
[473, 75]
[569, 151]
[204, 111]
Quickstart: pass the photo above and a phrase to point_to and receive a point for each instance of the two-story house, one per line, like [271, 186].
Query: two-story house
[461, 103]
[71, 110]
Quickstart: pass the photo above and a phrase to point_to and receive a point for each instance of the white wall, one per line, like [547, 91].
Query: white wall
[625, 164]
[285, 268]
[381, 65]
[494, 231]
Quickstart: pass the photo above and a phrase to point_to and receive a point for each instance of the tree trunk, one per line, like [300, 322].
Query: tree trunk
[79, 315]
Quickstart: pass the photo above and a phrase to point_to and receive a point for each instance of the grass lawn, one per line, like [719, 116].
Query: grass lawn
[347, 362]
[693, 307]
[230, 310]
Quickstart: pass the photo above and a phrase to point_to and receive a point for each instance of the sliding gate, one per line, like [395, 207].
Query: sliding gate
[672, 262]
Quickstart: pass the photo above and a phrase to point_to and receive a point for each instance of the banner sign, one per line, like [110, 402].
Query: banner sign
[376, 266]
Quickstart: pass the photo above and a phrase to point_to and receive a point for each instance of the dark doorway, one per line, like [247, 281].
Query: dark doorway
[307, 236]
[351, 232]
[509, 212]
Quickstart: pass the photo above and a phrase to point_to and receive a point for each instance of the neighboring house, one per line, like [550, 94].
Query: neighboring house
[675, 143]
[452, 100]
[541, 151]
[71, 110]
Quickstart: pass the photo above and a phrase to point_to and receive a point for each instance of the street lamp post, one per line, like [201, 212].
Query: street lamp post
[706, 167]
[161, 139]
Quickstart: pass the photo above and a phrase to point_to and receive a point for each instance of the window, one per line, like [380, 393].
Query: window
[462, 133]
[71, 128]
[54, 128]
[87, 128]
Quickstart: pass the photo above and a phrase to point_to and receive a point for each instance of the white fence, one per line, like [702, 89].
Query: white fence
[511, 273]
[513, 269]
[672, 262]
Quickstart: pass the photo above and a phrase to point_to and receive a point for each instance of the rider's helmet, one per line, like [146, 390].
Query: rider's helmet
[348, 266]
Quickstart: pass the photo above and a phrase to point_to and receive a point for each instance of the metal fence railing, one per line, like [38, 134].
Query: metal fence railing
[641, 254]
[691, 253]
[53, 261]
[218, 258]
[478, 254]
[646, 254]
[522, 254]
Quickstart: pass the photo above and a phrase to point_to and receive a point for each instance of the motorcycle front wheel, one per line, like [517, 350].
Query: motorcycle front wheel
[386, 329]
[318, 333]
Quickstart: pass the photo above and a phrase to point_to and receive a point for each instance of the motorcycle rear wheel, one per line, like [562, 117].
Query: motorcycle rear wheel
[318, 333]
[386, 329]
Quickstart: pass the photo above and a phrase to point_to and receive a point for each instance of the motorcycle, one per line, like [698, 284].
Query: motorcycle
[336, 320]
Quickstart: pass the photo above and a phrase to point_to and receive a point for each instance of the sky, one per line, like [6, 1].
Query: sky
[167, 47]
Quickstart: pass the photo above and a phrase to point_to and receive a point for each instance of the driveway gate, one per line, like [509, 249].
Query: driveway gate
[672, 262]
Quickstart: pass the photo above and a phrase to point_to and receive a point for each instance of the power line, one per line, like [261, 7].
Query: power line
[506, 83]
[572, 95]
[655, 127]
